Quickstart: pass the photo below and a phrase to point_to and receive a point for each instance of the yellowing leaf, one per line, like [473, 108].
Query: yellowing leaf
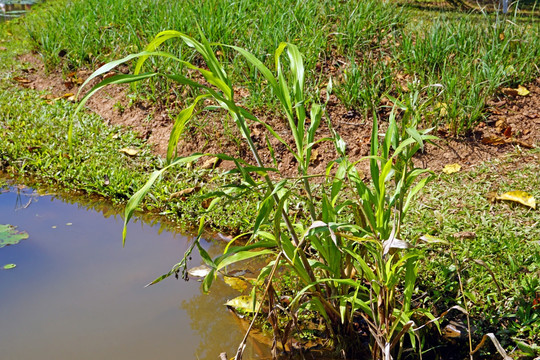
[451, 168]
[519, 196]
[243, 303]
[442, 107]
[129, 151]
[236, 283]
[522, 91]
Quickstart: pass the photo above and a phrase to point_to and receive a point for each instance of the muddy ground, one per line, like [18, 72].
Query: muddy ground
[512, 121]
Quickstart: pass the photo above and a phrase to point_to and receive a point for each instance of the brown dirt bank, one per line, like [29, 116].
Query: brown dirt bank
[511, 121]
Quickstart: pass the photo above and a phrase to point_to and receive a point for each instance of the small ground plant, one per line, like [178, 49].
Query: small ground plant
[346, 251]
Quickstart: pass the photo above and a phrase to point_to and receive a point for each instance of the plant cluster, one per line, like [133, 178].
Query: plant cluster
[346, 252]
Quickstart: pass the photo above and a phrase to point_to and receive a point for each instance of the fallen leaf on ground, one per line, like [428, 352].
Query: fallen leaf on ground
[519, 196]
[522, 91]
[3, 48]
[451, 168]
[465, 235]
[210, 163]
[129, 151]
[183, 193]
[207, 202]
[493, 140]
[21, 80]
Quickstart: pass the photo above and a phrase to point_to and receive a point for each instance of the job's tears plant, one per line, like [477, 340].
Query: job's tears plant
[346, 252]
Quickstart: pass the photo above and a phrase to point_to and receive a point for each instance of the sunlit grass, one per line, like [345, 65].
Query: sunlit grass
[503, 235]
[375, 48]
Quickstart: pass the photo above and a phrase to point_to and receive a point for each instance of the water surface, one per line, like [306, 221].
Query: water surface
[77, 294]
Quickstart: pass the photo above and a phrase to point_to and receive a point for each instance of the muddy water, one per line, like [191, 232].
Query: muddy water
[77, 294]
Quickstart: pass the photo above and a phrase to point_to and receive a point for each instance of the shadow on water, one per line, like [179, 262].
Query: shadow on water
[77, 294]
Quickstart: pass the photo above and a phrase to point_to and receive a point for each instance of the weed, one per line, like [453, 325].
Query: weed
[332, 257]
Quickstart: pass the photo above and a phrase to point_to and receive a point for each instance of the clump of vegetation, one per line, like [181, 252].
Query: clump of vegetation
[347, 250]
[469, 56]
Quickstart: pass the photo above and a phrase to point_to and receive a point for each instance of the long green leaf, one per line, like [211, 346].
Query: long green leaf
[241, 255]
[179, 124]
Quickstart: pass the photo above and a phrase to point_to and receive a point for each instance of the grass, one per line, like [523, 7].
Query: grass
[470, 55]
[505, 240]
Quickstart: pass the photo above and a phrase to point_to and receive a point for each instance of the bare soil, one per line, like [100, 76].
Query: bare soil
[512, 121]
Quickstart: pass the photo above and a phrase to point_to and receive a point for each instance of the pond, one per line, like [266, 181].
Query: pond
[75, 293]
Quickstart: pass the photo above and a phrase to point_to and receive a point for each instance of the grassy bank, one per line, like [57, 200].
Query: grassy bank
[34, 149]
[372, 49]
[497, 260]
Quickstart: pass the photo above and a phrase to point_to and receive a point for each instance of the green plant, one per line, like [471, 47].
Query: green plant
[346, 251]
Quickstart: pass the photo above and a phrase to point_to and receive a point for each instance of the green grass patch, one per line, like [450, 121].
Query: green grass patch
[502, 235]
[372, 49]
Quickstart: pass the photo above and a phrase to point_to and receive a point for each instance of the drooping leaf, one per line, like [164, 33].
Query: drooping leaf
[519, 196]
[10, 236]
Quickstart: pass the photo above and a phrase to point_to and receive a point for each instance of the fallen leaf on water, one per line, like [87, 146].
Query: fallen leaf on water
[522, 91]
[199, 271]
[519, 196]
[451, 168]
[243, 303]
[236, 283]
[8, 266]
[129, 151]
[10, 236]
